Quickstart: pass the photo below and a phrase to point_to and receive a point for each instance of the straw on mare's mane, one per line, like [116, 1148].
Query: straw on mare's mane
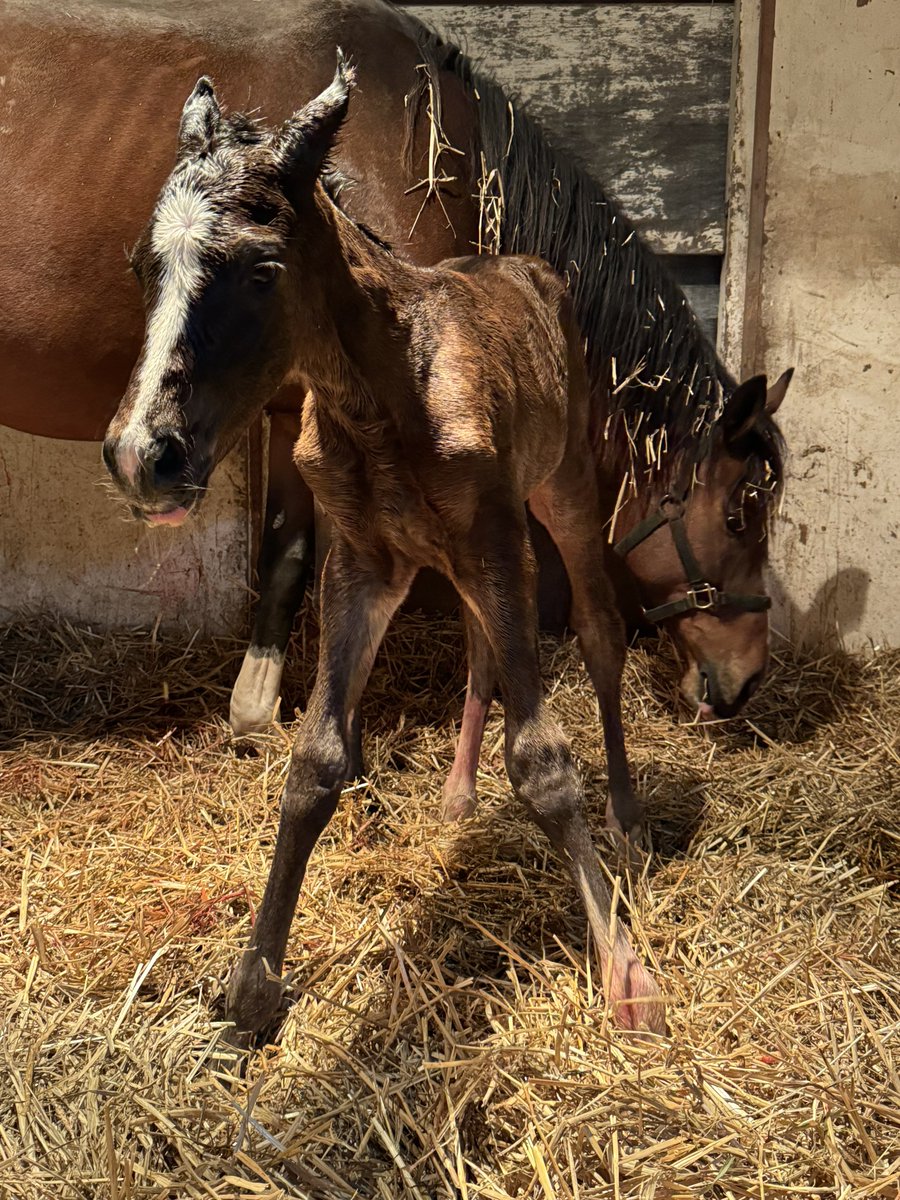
[646, 351]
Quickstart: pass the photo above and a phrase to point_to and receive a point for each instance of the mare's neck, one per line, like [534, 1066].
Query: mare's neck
[348, 291]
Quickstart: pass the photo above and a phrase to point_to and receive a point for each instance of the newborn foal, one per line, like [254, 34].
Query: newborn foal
[440, 401]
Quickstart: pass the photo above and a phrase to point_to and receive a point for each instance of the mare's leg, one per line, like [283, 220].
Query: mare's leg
[568, 507]
[460, 793]
[357, 603]
[497, 578]
[285, 560]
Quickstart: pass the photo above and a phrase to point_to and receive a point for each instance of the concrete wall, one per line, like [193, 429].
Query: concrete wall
[67, 546]
[813, 281]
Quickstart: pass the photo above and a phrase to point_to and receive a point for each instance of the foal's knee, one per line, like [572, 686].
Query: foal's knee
[542, 771]
[320, 765]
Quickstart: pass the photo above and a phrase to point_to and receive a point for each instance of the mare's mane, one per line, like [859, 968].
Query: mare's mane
[659, 389]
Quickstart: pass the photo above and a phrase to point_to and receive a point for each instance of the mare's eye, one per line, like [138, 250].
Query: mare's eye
[735, 523]
[265, 273]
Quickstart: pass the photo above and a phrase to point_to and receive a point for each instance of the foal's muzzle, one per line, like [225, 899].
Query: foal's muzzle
[151, 471]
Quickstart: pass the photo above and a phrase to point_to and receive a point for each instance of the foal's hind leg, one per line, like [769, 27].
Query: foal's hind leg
[568, 507]
[460, 793]
[497, 579]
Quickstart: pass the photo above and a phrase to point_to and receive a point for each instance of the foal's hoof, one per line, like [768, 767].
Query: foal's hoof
[635, 999]
[253, 999]
[457, 806]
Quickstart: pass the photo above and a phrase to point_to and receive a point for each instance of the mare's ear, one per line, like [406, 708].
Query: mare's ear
[305, 140]
[200, 118]
[744, 407]
[777, 392]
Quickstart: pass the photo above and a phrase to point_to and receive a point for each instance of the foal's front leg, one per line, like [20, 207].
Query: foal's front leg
[357, 603]
[497, 579]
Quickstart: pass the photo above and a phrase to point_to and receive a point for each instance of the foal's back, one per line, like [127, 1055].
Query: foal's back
[506, 360]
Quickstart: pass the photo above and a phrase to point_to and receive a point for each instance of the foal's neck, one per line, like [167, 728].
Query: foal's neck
[349, 289]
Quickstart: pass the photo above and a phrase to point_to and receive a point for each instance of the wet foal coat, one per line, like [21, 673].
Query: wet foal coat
[441, 400]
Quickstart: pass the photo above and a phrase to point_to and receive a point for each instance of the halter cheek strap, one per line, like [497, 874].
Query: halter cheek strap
[700, 595]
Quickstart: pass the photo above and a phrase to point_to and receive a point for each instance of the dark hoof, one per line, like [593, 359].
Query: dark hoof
[629, 847]
[253, 999]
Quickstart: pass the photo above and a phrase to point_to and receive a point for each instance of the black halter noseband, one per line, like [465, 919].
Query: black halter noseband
[699, 595]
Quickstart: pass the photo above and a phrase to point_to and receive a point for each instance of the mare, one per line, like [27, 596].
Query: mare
[441, 399]
[90, 92]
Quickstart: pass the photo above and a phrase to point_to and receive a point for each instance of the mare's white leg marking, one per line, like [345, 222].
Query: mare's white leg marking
[254, 698]
[181, 229]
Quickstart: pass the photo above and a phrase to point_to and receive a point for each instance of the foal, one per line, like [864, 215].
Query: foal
[440, 401]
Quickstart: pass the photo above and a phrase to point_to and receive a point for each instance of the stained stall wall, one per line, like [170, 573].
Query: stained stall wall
[66, 545]
[813, 281]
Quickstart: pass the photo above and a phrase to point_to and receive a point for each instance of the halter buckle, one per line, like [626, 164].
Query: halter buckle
[703, 596]
[671, 507]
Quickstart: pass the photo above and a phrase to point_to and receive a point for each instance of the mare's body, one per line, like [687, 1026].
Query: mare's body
[91, 92]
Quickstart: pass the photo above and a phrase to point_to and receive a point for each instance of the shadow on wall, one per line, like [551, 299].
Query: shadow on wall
[836, 610]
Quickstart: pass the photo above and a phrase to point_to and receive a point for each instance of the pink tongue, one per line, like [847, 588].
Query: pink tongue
[175, 517]
[706, 712]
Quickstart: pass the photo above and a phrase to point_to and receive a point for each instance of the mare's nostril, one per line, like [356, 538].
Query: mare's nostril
[169, 456]
[750, 686]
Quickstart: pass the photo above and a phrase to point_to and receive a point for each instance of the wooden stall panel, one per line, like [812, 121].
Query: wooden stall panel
[67, 546]
[639, 93]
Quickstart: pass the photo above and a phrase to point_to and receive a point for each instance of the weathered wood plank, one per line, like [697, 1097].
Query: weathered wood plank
[639, 93]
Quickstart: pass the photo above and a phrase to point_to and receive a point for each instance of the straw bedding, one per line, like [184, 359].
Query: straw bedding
[448, 1037]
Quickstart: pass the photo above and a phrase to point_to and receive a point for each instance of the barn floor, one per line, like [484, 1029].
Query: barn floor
[449, 1038]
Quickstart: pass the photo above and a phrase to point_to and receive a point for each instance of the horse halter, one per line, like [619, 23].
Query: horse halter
[700, 595]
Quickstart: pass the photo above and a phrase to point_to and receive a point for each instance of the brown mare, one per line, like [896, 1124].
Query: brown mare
[91, 92]
[441, 399]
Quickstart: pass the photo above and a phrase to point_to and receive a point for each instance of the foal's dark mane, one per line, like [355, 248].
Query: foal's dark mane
[659, 387]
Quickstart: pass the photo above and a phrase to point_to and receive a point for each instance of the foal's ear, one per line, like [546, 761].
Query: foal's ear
[777, 392]
[744, 407]
[200, 118]
[304, 141]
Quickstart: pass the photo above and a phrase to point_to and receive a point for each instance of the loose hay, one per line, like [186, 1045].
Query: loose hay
[449, 1037]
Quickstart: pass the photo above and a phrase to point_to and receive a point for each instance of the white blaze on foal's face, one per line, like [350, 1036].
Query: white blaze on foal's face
[182, 229]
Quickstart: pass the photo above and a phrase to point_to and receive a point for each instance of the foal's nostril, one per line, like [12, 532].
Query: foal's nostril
[109, 457]
[168, 457]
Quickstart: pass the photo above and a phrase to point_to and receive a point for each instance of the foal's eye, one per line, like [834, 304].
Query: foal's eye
[265, 273]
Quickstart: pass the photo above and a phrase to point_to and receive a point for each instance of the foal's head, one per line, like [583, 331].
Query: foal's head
[216, 263]
[697, 547]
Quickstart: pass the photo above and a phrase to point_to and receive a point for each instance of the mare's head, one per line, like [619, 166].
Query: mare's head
[215, 263]
[697, 546]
